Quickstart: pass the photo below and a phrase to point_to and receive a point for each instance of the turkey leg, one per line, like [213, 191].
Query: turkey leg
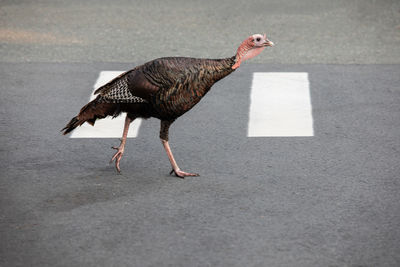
[164, 139]
[120, 150]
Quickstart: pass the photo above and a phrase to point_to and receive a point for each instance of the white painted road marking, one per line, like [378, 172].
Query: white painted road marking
[106, 128]
[280, 105]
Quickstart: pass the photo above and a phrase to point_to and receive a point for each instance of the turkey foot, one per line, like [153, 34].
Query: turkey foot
[118, 156]
[182, 174]
[175, 168]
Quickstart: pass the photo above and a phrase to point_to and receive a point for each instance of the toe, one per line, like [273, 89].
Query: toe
[182, 174]
[117, 167]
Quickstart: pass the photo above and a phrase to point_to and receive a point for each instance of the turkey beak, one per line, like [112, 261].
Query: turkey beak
[268, 43]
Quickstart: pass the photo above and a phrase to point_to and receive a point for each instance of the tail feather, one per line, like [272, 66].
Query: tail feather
[90, 113]
[72, 124]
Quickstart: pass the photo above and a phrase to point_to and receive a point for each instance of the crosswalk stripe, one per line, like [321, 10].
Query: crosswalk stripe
[280, 105]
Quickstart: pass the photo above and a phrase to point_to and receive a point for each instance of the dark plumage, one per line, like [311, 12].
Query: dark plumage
[163, 88]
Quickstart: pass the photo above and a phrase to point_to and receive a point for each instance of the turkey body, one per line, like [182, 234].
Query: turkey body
[163, 88]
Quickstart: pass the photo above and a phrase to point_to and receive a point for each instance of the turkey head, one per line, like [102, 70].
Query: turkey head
[251, 47]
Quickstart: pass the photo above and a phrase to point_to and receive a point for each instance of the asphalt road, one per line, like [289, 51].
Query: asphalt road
[327, 200]
[307, 31]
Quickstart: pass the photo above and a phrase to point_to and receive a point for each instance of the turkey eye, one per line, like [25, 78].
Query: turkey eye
[258, 39]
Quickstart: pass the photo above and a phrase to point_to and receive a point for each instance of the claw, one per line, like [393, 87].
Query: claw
[182, 174]
[117, 157]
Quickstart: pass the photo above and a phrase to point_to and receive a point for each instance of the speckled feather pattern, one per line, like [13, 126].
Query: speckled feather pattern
[118, 92]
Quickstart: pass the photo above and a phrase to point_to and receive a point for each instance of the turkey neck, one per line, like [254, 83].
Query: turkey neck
[195, 73]
[215, 70]
[222, 67]
[184, 81]
[204, 75]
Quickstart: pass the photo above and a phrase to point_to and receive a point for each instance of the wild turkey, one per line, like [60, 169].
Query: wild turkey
[163, 88]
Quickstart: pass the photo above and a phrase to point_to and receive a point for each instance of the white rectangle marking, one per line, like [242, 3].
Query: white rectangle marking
[280, 105]
[108, 127]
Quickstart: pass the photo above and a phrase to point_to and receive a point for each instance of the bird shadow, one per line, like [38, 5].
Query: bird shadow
[104, 185]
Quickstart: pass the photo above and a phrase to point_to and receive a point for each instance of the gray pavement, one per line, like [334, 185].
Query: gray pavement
[327, 200]
[307, 31]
